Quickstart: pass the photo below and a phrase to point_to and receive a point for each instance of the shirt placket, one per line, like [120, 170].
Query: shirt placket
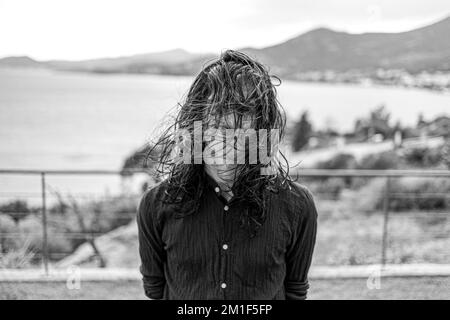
[225, 248]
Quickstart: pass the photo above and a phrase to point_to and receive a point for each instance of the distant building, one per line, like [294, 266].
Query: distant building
[437, 127]
[322, 139]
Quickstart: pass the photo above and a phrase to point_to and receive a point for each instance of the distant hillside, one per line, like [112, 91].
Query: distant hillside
[175, 61]
[322, 49]
[166, 62]
[423, 49]
[22, 61]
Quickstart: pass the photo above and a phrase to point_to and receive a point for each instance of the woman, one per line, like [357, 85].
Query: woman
[217, 229]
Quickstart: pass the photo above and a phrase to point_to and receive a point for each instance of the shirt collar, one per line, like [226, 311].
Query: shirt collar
[215, 187]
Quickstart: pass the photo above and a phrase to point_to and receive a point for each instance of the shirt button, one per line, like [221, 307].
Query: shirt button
[216, 189]
[226, 208]
[225, 247]
[223, 285]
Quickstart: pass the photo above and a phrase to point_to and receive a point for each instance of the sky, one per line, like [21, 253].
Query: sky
[83, 29]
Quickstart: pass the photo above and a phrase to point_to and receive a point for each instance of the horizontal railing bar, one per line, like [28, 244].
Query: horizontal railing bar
[72, 172]
[73, 235]
[56, 214]
[102, 197]
[371, 173]
[301, 172]
[73, 195]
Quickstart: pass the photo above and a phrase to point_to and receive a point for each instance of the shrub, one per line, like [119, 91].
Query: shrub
[339, 161]
[423, 156]
[446, 154]
[17, 209]
[421, 194]
[328, 189]
[7, 227]
[17, 259]
[99, 216]
[406, 194]
[380, 161]
[30, 230]
[7, 224]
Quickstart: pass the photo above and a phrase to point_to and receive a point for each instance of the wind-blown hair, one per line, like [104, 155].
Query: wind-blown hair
[234, 84]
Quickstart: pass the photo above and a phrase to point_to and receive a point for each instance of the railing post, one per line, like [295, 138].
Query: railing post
[44, 224]
[385, 221]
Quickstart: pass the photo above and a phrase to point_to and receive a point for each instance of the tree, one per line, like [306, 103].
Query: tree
[377, 122]
[420, 120]
[17, 209]
[446, 154]
[302, 132]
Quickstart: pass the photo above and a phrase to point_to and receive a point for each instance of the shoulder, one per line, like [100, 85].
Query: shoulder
[301, 193]
[150, 205]
[298, 200]
[154, 193]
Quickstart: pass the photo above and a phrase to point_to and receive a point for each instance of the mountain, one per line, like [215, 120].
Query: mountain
[423, 49]
[21, 61]
[166, 62]
[426, 48]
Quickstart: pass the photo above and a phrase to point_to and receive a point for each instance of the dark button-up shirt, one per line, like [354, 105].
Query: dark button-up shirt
[207, 255]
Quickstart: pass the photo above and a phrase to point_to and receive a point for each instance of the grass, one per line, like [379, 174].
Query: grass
[411, 288]
[117, 290]
[390, 288]
[348, 236]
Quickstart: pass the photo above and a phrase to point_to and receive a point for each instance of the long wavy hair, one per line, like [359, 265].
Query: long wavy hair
[234, 84]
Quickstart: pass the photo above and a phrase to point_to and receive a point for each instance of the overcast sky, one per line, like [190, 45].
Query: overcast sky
[80, 29]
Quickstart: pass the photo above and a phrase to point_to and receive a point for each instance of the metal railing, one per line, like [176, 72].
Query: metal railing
[43, 174]
[388, 175]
